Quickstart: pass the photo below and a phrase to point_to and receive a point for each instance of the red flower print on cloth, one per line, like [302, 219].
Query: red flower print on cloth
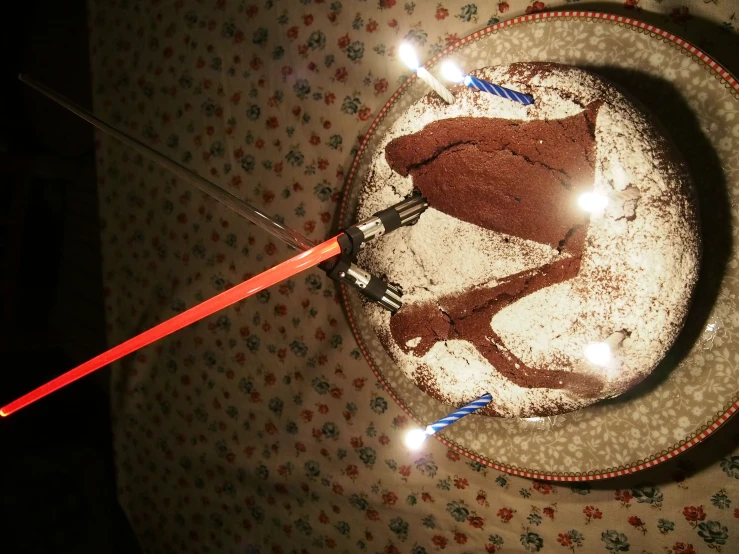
[536, 7]
[387, 4]
[351, 471]
[341, 74]
[441, 12]
[460, 538]
[460, 483]
[693, 514]
[635, 521]
[380, 86]
[505, 514]
[624, 496]
[503, 7]
[477, 522]
[372, 515]
[564, 539]
[439, 541]
[542, 487]
[682, 548]
[591, 512]
[344, 41]
[681, 14]
[548, 511]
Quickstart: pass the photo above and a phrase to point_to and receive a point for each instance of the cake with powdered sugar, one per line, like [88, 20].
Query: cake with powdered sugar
[509, 284]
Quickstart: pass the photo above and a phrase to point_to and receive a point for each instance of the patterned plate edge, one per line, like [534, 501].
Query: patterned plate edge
[699, 434]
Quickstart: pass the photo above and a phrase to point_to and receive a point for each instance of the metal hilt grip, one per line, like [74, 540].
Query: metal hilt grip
[385, 221]
[374, 288]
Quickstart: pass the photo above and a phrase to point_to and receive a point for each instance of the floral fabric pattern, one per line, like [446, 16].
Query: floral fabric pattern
[261, 429]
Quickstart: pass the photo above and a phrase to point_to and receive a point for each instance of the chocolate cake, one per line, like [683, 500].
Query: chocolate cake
[507, 280]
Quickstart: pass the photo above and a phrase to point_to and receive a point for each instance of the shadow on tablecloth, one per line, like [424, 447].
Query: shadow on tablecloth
[715, 40]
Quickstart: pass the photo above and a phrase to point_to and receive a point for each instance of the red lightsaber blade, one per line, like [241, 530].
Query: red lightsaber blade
[286, 269]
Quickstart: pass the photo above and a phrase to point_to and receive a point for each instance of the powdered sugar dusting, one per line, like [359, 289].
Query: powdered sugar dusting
[636, 274]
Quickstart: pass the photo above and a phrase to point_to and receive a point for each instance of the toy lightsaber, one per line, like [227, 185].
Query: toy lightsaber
[382, 222]
[336, 256]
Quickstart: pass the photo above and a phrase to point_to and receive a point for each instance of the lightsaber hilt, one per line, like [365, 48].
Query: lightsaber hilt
[374, 288]
[405, 212]
[344, 268]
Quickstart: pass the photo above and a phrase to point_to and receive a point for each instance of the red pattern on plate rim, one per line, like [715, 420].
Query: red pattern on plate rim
[533, 474]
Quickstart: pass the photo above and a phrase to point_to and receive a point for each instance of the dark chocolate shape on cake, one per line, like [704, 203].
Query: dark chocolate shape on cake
[520, 178]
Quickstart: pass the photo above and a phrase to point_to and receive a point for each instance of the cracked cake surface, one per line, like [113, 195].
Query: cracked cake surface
[506, 279]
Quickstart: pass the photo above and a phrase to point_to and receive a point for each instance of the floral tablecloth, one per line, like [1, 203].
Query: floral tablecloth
[262, 429]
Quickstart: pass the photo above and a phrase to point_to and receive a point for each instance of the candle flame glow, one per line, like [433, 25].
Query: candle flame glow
[415, 438]
[451, 72]
[598, 353]
[592, 202]
[408, 56]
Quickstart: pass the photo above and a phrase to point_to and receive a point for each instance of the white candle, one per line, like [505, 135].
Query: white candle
[408, 55]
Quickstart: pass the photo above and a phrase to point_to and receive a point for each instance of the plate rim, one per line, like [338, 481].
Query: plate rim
[699, 434]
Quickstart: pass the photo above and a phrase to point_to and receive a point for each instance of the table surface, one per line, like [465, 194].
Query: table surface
[261, 428]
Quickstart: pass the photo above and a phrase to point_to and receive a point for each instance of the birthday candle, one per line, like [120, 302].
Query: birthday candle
[416, 437]
[408, 56]
[454, 74]
[473, 406]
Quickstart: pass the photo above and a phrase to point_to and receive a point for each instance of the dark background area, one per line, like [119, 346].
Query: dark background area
[57, 479]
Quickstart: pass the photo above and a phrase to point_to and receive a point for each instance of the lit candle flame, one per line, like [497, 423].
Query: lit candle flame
[408, 56]
[415, 438]
[601, 353]
[598, 353]
[451, 72]
[593, 202]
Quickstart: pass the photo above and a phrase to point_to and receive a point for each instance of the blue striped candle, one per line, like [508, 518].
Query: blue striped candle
[453, 73]
[473, 406]
[485, 86]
